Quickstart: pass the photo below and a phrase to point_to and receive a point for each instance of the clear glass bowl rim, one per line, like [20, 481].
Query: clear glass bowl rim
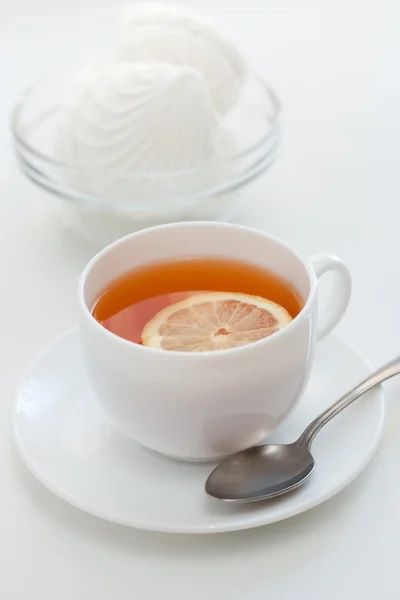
[261, 154]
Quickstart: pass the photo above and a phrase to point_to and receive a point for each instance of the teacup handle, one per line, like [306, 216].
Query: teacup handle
[330, 315]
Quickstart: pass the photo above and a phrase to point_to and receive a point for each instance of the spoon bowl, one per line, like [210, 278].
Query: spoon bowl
[261, 472]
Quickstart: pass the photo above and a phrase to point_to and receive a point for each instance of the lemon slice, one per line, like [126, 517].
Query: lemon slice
[214, 321]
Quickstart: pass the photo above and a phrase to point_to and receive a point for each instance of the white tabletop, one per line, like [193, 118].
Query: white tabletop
[336, 187]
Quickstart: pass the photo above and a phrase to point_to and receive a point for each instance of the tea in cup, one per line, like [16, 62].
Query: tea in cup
[199, 337]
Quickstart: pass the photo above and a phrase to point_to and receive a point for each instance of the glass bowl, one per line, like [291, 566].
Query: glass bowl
[107, 211]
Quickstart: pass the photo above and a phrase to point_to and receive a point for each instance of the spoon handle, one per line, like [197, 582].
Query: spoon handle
[386, 372]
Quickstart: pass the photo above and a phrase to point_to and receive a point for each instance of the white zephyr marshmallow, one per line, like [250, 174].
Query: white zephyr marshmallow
[170, 34]
[131, 119]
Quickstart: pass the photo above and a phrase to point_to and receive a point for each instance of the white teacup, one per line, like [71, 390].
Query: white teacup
[203, 406]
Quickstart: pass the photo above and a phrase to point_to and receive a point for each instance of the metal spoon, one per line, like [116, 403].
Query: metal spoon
[263, 472]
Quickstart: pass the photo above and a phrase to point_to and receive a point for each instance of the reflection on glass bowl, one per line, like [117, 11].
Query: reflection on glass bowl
[103, 209]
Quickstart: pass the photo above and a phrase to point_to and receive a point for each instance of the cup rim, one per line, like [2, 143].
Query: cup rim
[179, 354]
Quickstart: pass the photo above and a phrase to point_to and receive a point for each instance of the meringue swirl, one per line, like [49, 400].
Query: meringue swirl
[132, 119]
[153, 123]
[171, 34]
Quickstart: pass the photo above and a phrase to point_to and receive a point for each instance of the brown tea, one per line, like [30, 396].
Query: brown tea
[131, 301]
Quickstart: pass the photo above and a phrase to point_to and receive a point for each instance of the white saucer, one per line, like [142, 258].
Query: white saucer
[68, 445]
